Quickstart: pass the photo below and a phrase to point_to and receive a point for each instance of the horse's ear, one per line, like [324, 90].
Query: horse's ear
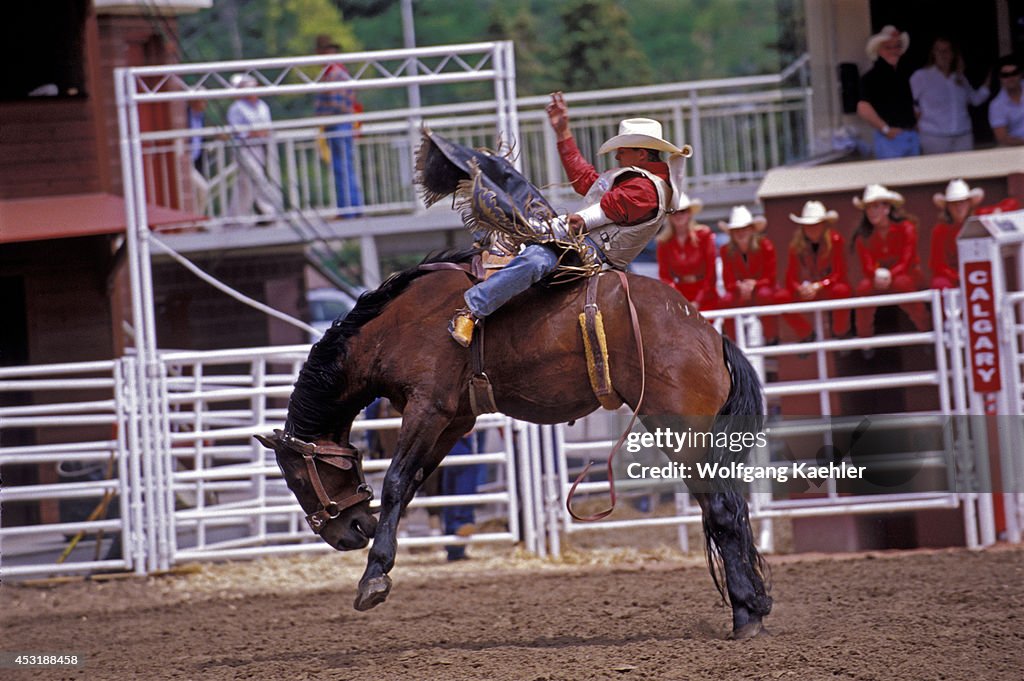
[269, 442]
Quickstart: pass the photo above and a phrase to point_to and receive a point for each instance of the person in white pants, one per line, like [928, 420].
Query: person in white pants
[257, 181]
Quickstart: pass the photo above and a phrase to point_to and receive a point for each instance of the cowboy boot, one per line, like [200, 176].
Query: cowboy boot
[461, 327]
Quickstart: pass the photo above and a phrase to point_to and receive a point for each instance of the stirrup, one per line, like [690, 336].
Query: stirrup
[461, 327]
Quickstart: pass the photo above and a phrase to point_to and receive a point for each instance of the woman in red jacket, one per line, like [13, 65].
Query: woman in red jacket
[686, 255]
[816, 269]
[886, 243]
[748, 268]
[957, 204]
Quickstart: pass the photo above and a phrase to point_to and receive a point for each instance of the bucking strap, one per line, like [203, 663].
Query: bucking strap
[481, 395]
[595, 344]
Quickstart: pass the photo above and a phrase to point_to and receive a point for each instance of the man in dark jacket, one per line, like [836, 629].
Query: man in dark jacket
[886, 100]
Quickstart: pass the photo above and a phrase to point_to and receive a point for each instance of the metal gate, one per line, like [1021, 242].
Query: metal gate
[71, 496]
[225, 497]
[961, 461]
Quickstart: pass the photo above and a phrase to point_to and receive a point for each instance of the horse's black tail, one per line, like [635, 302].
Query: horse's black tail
[741, 415]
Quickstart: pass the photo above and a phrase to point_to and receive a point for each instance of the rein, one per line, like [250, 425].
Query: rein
[342, 458]
[638, 336]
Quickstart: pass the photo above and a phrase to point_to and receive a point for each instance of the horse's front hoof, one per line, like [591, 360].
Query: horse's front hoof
[373, 592]
[748, 630]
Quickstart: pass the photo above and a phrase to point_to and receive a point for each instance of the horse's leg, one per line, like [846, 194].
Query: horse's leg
[727, 525]
[427, 435]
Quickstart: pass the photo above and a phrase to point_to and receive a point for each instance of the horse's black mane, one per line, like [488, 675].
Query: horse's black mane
[313, 408]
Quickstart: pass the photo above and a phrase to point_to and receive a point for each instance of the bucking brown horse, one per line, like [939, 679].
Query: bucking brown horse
[395, 344]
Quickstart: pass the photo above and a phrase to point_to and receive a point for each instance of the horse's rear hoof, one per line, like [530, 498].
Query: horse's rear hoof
[748, 630]
[373, 593]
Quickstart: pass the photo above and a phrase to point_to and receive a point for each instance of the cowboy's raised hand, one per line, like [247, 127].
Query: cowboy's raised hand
[558, 115]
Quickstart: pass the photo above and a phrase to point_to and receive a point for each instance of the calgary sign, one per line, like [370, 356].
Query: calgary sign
[983, 340]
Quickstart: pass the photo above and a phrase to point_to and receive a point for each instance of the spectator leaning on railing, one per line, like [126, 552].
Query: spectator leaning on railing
[886, 101]
[340, 136]
[886, 242]
[258, 178]
[748, 268]
[956, 205]
[686, 255]
[816, 269]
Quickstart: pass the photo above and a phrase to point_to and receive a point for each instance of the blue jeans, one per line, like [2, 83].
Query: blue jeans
[526, 269]
[340, 141]
[907, 143]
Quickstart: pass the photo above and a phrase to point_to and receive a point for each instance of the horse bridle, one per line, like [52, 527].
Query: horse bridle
[342, 458]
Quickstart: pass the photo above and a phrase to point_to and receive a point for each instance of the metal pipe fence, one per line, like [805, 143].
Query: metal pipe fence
[740, 128]
[573, 446]
[207, 491]
[66, 492]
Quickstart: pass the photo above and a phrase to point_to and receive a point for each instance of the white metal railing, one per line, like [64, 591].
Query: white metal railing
[208, 491]
[1013, 325]
[229, 498]
[64, 425]
[739, 127]
[965, 475]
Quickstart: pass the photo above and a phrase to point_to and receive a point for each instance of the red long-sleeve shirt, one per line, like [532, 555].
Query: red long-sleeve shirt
[896, 251]
[825, 269]
[944, 259]
[689, 266]
[632, 198]
[759, 265]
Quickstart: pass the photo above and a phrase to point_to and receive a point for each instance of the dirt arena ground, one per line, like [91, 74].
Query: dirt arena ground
[613, 614]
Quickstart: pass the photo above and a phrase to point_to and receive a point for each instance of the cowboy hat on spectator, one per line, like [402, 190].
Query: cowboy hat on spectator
[683, 202]
[240, 80]
[878, 192]
[957, 190]
[740, 217]
[887, 33]
[326, 42]
[814, 213]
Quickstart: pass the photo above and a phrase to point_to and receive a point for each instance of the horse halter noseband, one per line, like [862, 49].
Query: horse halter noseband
[342, 458]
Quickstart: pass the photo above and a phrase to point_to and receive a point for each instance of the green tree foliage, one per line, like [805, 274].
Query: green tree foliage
[569, 44]
[253, 29]
[292, 26]
[534, 56]
[598, 51]
[697, 39]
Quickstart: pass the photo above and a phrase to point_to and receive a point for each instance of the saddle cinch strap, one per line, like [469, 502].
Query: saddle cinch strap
[481, 395]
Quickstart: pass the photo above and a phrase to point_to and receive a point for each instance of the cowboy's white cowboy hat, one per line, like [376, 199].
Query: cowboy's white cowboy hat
[957, 190]
[740, 217]
[877, 192]
[683, 202]
[243, 80]
[889, 32]
[642, 133]
[813, 213]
